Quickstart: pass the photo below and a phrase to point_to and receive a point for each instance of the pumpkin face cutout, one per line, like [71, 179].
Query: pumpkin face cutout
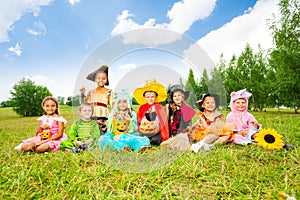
[120, 126]
[148, 128]
[46, 134]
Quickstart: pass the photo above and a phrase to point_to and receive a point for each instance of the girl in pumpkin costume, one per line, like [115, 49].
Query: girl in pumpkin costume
[122, 127]
[210, 128]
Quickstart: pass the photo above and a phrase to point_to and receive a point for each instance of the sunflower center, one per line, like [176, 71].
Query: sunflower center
[269, 138]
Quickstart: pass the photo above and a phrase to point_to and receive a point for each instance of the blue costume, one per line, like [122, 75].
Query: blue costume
[122, 127]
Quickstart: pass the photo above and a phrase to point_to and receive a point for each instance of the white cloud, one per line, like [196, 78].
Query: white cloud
[39, 29]
[182, 15]
[16, 50]
[12, 10]
[72, 2]
[251, 27]
[126, 24]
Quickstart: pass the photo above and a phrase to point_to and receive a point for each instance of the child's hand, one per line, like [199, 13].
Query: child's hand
[244, 133]
[45, 126]
[116, 137]
[254, 123]
[79, 143]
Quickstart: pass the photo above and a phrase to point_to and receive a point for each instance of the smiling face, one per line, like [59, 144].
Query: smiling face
[101, 79]
[178, 97]
[240, 104]
[209, 104]
[150, 97]
[49, 107]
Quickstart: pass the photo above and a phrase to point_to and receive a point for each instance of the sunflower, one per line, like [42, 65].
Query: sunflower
[269, 139]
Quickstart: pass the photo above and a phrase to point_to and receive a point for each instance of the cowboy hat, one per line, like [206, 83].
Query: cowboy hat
[150, 86]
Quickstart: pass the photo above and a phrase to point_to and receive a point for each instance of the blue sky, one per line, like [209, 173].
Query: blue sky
[56, 43]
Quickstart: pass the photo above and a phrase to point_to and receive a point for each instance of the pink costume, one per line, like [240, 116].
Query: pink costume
[241, 119]
[53, 123]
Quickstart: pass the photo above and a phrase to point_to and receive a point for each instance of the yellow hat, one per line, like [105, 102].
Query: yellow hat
[152, 86]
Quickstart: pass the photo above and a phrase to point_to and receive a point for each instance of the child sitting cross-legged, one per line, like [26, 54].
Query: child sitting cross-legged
[210, 128]
[122, 127]
[83, 132]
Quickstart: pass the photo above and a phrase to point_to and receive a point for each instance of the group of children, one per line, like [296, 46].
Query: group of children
[108, 120]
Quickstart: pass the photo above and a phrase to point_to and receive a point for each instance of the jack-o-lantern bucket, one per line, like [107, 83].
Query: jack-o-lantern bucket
[46, 134]
[120, 126]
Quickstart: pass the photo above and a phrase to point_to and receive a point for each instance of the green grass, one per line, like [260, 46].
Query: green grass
[225, 172]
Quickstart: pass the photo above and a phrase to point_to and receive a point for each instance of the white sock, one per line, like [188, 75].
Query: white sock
[208, 147]
[197, 146]
[19, 147]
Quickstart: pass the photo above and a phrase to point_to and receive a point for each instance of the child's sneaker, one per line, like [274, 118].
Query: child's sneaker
[288, 146]
[84, 147]
[208, 147]
[144, 148]
[75, 150]
[197, 146]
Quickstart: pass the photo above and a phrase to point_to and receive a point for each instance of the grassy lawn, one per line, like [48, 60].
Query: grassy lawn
[225, 172]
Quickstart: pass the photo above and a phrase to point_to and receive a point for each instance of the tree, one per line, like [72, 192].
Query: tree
[203, 82]
[193, 88]
[4, 104]
[27, 98]
[216, 86]
[285, 58]
[61, 100]
[73, 101]
[231, 83]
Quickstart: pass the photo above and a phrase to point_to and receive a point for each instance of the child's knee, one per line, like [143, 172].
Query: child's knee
[42, 148]
[27, 146]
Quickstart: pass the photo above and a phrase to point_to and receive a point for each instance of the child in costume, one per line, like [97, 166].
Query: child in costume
[83, 132]
[152, 117]
[50, 132]
[179, 118]
[122, 127]
[100, 97]
[179, 113]
[210, 128]
[245, 124]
